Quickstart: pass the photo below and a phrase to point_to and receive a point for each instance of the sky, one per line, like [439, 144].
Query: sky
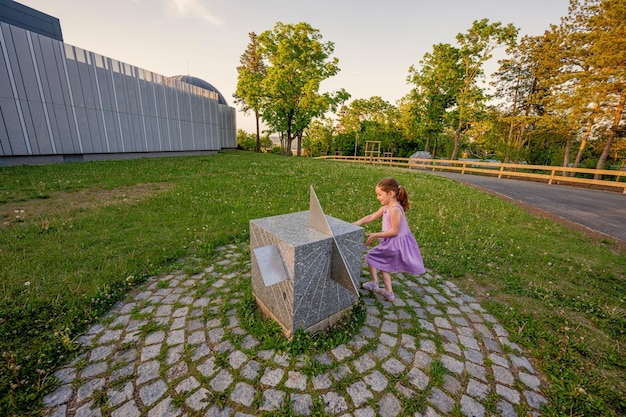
[375, 41]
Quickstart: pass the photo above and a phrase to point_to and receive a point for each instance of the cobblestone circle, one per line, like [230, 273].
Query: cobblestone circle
[166, 351]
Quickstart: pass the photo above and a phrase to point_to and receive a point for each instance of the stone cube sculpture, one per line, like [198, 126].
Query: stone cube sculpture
[305, 267]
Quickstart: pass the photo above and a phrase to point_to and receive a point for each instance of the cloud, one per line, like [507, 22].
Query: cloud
[193, 9]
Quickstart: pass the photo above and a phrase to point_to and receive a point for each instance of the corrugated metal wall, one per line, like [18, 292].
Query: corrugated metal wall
[58, 99]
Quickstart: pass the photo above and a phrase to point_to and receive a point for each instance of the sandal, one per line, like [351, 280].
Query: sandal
[371, 286]
[389, 296]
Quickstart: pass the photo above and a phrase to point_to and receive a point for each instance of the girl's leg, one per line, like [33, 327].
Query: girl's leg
[387, 281]
[374, 274]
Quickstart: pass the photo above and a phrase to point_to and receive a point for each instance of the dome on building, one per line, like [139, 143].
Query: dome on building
[202, 84]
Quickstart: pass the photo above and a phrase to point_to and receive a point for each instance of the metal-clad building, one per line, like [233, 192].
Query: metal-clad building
[59, 102]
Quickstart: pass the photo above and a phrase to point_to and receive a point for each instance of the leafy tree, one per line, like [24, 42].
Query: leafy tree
[476, 47]
[250, 75]
[297, 61]
[589, 70]
[370, 119]
[437, 82]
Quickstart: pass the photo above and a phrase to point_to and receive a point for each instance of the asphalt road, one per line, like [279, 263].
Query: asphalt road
[599, 212]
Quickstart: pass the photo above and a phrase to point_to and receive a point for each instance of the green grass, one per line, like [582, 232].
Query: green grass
[75, 237]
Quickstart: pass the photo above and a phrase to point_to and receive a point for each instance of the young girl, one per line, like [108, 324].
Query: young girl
[397, 250]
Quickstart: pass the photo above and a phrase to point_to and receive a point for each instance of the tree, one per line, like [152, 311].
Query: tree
[297, 61]
[591, 70]
[476, 48]
[437, 82]
[251, 73]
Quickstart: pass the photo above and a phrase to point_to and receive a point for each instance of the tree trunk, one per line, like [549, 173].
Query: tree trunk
[567, 152]
[258, 133]
[299, 136]
[611, 136]
[583, 144]
[457, 142]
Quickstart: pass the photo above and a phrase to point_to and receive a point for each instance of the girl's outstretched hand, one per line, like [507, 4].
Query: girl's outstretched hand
[370, 238]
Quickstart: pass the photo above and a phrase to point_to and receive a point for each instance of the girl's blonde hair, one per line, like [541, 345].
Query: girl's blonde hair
[391, 184]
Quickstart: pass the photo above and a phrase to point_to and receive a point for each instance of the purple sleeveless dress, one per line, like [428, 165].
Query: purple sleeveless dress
[399, 253]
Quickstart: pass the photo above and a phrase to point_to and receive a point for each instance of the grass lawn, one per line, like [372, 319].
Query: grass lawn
[75, 237]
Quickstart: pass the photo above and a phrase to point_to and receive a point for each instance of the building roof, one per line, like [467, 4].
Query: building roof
[198, 82]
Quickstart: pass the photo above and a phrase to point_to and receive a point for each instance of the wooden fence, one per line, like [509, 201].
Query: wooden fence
[611, 179]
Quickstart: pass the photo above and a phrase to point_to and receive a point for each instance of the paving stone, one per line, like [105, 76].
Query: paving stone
[272, 377]
[177, 371]
[296, 380]
[178, 323]
[451, 384]
[418, 378]
[99, 353]
[187, 385]
[149, 394]
[222, 381]
[506, 409]
[508, 394]
[474, 356]
[217, 411]
[321, 382]
[530, 380]
[469, 342]
[237, 358]
[534, 399]
[394, 367]
[381, 352]
[155, 337]
[422, 360]
[198, 400]
[147, 371]
[452, 348]
[150, 352]
[405, 356]
[208, 368]
[118, 396]
[443, 323]
[477, 389]
[426, 325]
[164, 409]
[522, 362]
[301, 404]
[441, 400]
[389, 327]
[176, 337]
[243, 394]
[60, 396]
[341, 372]
[334, 403]
[376, 381]
[471, 407]
[272, 400]
[365, 412]
[453, 364]
[282, 359]
[428, 346]
[502, 375]
[389, 406]
[94, 370]
[86, 390]
[88, 410]
[359, 393]
[341, 352]
[388, 340]
[129, 409]
[499, 360]
[363, 364]
[250, 370]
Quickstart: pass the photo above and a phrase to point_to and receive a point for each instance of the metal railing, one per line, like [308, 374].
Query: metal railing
[544, 173]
